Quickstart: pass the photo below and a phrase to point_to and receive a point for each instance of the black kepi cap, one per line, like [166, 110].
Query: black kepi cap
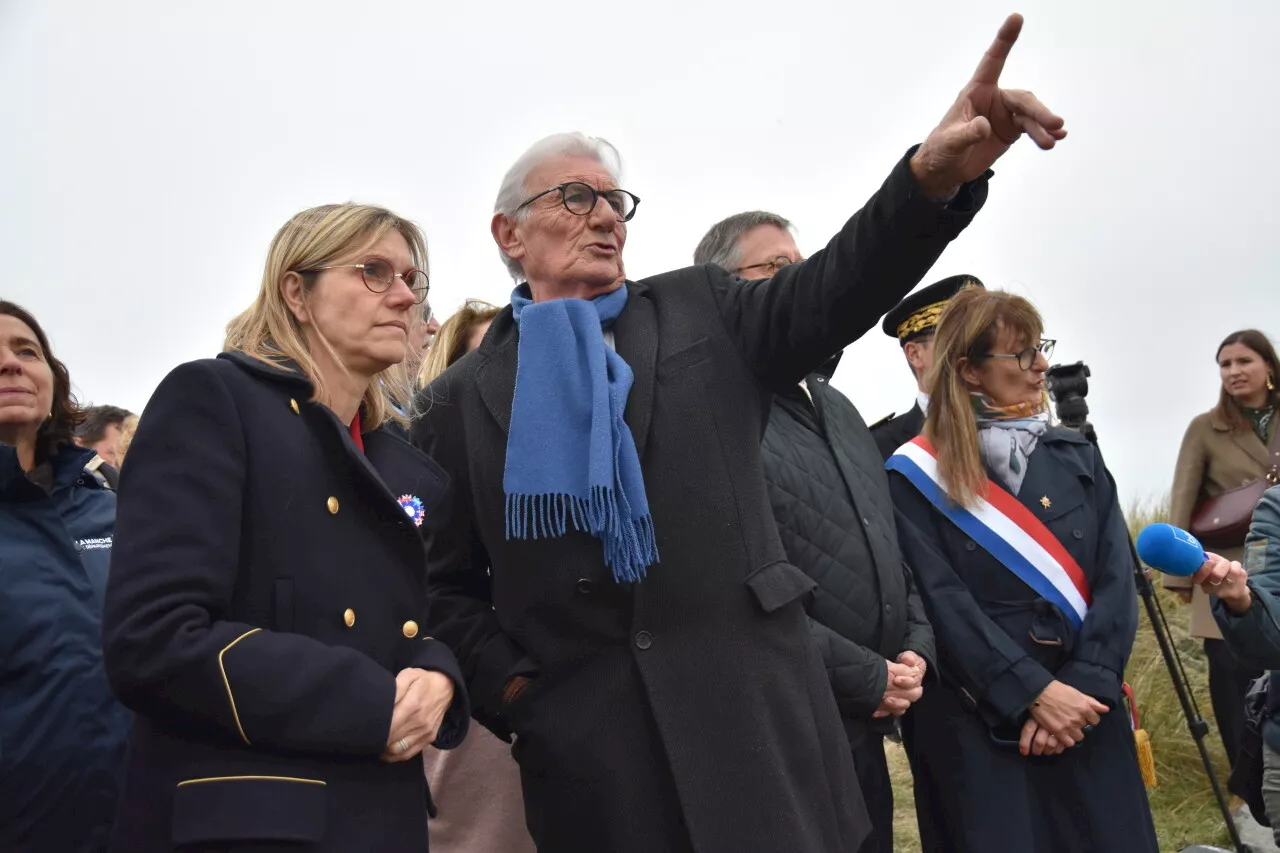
[918, 314]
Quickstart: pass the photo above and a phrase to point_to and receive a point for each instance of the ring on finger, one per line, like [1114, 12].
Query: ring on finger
[403, 744]
[1215, 583]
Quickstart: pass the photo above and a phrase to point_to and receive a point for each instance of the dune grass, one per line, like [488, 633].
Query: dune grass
[1182, 803]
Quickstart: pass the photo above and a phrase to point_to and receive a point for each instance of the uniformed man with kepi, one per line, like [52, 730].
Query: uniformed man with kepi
[912, 322]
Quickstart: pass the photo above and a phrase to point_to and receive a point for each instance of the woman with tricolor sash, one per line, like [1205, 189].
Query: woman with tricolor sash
[1020, 551]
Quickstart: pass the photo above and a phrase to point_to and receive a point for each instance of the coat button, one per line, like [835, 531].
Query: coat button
[410, 629]
[349, 617]
[293, 404]
[585, 586]
[644, 640]
[1078, 533]
[970, 545]
[888, 608]
[332, 503]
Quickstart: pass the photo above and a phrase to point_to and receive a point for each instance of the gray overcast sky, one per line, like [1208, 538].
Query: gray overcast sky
[152, 148]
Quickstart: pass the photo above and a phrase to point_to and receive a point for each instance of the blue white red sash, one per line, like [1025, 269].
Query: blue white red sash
[1005, 529]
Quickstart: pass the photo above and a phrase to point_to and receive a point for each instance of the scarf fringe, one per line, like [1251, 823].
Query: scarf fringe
[630, 545]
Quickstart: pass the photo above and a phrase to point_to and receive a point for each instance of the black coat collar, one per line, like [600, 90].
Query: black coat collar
[635, 336]
[387, 457]
[829, 369]
[285, 372]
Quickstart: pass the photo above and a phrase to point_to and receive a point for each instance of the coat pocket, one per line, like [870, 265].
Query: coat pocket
[778, 584]
[222, 809]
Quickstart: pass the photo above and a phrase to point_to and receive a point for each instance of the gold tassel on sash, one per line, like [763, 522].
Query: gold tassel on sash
[1146, 759]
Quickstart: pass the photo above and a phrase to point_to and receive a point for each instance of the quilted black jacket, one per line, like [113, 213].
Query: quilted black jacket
[830, 498]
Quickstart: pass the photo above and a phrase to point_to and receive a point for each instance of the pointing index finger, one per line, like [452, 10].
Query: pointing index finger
[992, 62]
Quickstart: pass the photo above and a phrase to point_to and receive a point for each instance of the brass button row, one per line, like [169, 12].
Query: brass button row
[409, 629]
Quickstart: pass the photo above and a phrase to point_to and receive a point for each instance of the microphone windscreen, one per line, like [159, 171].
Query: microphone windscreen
[1170, 549]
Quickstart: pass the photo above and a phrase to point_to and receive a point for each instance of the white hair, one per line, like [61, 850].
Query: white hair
[515, 188]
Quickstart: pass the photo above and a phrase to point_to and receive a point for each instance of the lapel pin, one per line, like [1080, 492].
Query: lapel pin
[1045, 502]
[412, 506]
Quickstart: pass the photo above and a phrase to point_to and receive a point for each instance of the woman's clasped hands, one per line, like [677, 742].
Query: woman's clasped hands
[1061, 716]
[422, 698]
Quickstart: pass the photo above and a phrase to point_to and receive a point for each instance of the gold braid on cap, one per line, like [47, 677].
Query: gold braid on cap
[925, 318]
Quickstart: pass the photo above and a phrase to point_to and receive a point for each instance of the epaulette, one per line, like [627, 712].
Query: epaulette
[883, 420]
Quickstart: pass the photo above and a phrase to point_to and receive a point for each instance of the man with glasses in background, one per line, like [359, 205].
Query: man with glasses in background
[830, 498]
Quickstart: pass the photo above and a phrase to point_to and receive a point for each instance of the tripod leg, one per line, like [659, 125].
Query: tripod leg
[1195, 723]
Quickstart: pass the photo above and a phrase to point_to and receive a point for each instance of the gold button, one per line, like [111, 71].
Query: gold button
[293, 404]
[332, 503]
[349, 616]
[411, 629]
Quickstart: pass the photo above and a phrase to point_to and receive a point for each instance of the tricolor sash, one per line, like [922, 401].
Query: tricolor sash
[1005, 529]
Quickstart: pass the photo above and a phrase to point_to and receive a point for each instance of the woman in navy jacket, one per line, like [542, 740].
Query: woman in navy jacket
[62, 734]
[1026, 744]
[265, 615]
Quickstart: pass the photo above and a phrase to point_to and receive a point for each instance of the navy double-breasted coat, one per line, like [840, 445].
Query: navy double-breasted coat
[267, 585]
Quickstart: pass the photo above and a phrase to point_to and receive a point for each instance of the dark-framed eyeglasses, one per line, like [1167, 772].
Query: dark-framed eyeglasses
[1027, 357]
[771, 266]
[580, 199]
[379, 275]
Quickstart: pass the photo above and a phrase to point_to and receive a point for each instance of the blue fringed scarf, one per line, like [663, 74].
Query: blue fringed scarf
[571, 459]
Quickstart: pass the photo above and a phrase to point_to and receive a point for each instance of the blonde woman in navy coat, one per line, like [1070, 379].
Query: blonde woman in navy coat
[265, 613]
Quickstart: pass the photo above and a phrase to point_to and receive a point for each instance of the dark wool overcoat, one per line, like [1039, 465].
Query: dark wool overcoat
[690, 711]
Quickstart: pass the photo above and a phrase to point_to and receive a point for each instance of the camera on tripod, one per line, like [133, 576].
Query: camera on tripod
[1068, 386]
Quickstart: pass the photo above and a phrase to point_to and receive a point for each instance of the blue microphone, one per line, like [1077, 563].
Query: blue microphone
[1170, 549]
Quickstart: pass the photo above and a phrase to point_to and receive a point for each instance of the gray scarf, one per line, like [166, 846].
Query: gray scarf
[1005, 446]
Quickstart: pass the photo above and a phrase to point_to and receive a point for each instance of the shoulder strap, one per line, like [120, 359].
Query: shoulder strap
[1005, 529]
[106, 475]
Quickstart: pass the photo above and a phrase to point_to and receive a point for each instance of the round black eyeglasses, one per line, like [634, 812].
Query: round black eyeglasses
[580, 199]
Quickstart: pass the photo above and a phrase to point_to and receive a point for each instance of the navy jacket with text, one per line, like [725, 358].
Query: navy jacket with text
[62, 734]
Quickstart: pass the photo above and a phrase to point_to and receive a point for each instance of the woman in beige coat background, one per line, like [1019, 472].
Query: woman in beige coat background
[1223, 449]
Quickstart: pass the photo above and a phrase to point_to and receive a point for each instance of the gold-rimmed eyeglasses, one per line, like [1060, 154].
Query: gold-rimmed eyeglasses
[771, 266]
[379, 275]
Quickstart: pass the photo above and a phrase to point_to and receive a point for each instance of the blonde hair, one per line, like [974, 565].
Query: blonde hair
[269, 331]
[127, 429]
[969, 327]
[450, 343]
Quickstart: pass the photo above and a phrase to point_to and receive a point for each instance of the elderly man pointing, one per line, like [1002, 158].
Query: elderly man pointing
[608, 570]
